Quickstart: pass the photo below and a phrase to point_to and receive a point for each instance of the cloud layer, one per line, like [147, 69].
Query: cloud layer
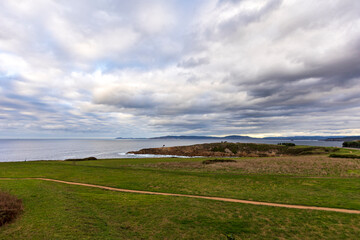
[135, 69]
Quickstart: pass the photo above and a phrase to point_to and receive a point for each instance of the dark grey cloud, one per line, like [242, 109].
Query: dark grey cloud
[138, 68]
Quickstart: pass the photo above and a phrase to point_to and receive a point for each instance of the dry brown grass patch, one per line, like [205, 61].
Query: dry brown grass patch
[292, 165]
[10, 208]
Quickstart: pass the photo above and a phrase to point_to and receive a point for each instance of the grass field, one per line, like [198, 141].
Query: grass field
[59, 211]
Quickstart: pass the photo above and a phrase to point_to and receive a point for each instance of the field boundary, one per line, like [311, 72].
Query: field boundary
[340, 210]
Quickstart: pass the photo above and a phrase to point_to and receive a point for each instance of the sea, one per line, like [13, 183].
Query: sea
[13, 150]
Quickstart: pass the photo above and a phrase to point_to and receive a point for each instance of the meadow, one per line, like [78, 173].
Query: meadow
[60, 211]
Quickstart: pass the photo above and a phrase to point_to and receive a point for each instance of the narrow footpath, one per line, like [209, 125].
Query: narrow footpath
[341, 210]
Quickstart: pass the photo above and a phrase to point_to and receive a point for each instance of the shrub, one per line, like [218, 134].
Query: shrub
[82, 159]
[218, 149]
[10, 208]
[352, 144]
[287, 144]
[233, 147]
[266, 149]
[335, 155]
[211, 161]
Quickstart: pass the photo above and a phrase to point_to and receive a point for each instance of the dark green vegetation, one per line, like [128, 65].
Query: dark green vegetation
[212, 161]
[265, 149]
[288, 144]
[228, 149]
[10, 208]
[334, 155]
[59, 211]
[352, 144]
[81, 159]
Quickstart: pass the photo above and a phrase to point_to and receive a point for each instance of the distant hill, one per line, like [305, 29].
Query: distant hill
[129, 138]
[239, 137]
[202, 137]
[299, 138]
[343, 139]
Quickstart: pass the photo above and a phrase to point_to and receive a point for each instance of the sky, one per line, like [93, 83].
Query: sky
[116, 68]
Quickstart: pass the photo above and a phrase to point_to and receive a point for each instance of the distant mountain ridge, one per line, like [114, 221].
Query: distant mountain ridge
[298, 138]
[345, 139]
[232, 137]
[203, 137]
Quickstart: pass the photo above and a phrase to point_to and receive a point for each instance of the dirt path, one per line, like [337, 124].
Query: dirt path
[197, 196]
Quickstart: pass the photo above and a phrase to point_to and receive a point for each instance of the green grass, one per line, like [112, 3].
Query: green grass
[59, 211]
[348, 151]
[332, 192]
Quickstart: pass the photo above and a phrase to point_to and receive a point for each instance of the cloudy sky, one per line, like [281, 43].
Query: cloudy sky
[143, 68]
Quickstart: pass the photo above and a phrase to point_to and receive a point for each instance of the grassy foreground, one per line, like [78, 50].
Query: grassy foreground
[59, 211]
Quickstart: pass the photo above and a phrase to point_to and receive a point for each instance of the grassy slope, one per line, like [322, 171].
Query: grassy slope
[56, 211]
[330, 192]
[348, 151]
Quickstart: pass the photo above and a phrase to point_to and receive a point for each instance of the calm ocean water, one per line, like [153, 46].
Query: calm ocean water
[35, 149]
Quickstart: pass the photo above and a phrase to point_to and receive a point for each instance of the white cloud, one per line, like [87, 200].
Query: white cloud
[12, 65]
[92, 44]
[155, 16]
[246, 67]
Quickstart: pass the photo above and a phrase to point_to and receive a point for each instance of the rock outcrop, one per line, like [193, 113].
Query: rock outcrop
[225, 149]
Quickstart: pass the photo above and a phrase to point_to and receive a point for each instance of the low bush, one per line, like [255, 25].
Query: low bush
[287, 144]
[352, 144]
[218, 149]
[233, 147]
[82, 159]
[335, 155]
[211, 161]
[10, 208]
